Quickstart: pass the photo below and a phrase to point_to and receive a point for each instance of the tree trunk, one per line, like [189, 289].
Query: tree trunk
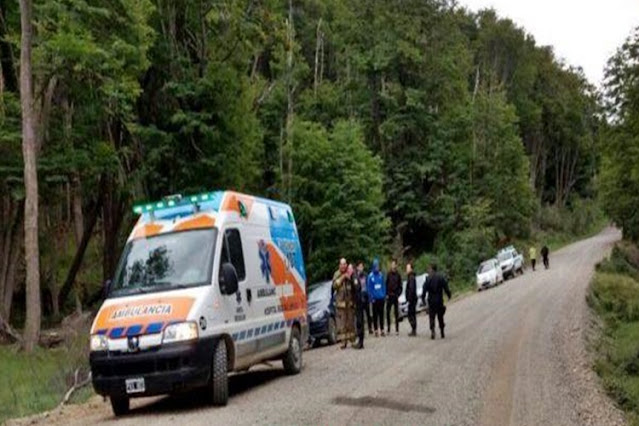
[318, 41]
[11, 272]
[82, 246]
[29, 147]
[78, 216]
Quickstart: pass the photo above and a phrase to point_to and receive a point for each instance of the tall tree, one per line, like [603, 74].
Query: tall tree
[29, 150]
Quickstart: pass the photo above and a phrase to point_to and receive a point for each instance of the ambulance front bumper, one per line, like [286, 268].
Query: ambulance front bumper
[165, 369]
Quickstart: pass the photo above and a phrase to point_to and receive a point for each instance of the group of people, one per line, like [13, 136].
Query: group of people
[532, 254]
[356, 292]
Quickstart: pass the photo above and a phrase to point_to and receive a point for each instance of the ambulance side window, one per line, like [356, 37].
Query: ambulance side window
[232, 251]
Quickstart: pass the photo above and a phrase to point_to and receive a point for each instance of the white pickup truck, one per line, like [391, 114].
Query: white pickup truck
[511, 262]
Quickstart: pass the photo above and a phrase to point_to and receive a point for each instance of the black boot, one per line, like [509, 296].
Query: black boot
[432, 334]
[442, 333]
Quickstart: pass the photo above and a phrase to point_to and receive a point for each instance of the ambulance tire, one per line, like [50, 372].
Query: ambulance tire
[293, 358]
[119, 405]
[219, 375]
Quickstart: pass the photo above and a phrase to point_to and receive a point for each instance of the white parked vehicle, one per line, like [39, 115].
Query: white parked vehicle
[511, 262]
[403, 304]
[489, 274]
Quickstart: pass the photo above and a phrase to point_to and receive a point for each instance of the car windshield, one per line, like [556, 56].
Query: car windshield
[318, 292]
[165, 262]
[485, 267]
[505, 256]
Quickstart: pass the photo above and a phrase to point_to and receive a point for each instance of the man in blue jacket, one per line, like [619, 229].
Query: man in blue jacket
[377, 294]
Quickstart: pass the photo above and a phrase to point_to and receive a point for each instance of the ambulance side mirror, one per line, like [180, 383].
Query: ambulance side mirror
[228, 279]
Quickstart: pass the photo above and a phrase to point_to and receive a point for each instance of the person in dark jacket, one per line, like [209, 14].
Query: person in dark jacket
[544, 255]
[436, 285]
[411, 298]
[361, 304]
[365, 302]
[393, 291]
[377, 294]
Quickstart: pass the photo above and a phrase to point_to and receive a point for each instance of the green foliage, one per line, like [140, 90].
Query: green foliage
[37, 382]
[620, 164]
[414, 127]
[337, 196]
[614, 296]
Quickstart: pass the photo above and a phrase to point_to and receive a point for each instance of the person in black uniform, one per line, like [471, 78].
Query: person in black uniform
[366, 303]
[393, 291]
[361, 305]
[411, 298]
[544, 255]
[436, 285]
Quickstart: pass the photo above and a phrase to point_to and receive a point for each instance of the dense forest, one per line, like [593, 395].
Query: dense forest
[392, 127]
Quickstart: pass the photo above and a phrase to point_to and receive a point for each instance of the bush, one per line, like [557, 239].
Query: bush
[614, 295]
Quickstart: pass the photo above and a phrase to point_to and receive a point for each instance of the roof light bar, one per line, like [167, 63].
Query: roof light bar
[173, 201]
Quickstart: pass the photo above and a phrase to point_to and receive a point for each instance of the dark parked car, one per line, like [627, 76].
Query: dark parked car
[321, 313]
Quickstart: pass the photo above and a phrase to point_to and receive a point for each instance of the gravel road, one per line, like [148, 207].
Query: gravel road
[514, 354]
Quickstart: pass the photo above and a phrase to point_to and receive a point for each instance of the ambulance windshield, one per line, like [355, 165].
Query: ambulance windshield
[165, 262]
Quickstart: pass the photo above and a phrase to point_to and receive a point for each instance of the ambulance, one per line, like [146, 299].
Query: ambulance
[207, 285]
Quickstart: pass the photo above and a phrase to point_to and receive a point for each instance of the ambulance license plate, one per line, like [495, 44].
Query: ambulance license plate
[135, 385]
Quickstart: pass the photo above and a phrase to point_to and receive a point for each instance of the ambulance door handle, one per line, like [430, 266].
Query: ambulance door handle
[249, 295]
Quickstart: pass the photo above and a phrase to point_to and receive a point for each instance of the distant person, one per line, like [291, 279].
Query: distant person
[377, 294]
[344, 302]
[361, 302]
[544, 255]
[533, 257]
[436, 285]
[393, 291]
[365, 300]
[411, 298]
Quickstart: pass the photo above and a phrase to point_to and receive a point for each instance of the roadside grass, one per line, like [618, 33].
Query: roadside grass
[614, 297]
[30, 384]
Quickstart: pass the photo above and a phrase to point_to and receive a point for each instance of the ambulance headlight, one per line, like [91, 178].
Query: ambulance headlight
[99, 342]
[180, 332]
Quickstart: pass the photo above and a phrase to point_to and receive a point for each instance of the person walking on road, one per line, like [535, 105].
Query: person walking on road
[411, 298]
[436, 285]
[544, 255]
[344, 306]
[393, 291]
[377, 294]
[365, 303]
[361, 301]
[533, 257]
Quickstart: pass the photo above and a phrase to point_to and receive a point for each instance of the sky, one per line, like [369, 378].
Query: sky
[583, 32]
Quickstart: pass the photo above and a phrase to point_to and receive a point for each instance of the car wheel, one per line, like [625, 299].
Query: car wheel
[219, 385]
[293, 358]
[332, 331]
[119, 405]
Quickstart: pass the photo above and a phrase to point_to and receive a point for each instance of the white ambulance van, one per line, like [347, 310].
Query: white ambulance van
[207, 284]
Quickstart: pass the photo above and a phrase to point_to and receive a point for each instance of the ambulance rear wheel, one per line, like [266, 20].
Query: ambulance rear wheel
[119, 405]
[219, 375]
[293, 358]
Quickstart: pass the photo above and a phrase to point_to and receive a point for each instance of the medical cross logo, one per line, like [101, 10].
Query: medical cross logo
[265, 261]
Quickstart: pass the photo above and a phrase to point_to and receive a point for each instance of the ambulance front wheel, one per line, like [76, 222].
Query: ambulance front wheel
[219, 375]
[119, 405]
[293, 358]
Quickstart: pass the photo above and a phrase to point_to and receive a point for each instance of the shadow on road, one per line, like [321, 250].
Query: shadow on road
[369, 401]
[198, 399]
